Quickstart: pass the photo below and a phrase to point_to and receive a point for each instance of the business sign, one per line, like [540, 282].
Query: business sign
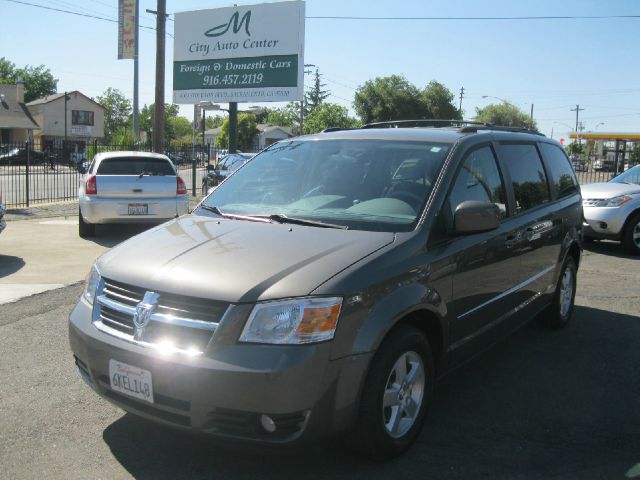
[126, 29]
[248, 53]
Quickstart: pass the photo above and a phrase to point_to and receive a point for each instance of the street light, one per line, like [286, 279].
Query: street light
[497, 98]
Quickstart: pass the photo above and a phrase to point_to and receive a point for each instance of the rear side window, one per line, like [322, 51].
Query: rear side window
[479, 179]
[135, 166]
[524, 165]
[563, 180]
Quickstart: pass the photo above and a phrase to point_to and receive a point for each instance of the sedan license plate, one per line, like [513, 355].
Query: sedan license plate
[138, 209]
[132, 381]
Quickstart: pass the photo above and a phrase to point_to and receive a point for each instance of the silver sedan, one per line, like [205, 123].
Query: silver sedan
[130, 187]
[612, 210]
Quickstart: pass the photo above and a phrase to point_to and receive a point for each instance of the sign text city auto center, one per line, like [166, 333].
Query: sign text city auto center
[238, 53]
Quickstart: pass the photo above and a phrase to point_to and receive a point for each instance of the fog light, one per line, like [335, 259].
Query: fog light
[267, 423]
[603, 225]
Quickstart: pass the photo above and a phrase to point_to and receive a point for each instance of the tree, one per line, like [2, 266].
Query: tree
[213, 121]
[175, 127]
[247, 130]
[388, 98]
[283, 117]
[315, 96]
[438, 102]
[38, 81]
[505, 114]
[328, 115]
[117, 114]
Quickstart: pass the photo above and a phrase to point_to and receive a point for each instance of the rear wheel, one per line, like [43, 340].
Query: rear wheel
[85, 229]
[396, 394]
[560, 311]
[631, 237]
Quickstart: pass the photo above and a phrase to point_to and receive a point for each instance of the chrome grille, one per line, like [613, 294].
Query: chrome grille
[185, 323]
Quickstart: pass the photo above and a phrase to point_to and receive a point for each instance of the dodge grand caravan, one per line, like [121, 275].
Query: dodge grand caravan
[325, 285]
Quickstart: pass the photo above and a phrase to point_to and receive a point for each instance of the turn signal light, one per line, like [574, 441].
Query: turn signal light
[182, 187]
[91, 187]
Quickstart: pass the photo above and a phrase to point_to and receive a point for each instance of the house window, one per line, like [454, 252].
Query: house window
[81, 117]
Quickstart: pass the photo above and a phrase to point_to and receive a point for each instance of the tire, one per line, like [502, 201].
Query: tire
[558, 314]
[631, 236]
[85, 230]
[392, 411]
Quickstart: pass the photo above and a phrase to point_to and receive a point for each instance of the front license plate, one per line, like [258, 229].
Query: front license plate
[130, 380]
[138, 209]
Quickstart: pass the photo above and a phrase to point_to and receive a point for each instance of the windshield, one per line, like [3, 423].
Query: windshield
[630, 176]
[375, 185]
[232, 162]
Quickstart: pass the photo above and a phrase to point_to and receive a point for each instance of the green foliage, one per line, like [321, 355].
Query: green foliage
[213, 122]
[315, 96]
[117, 115]
[284, 117]
[247, 130]
[575, 148]
[175, 127]
[38, 81]
[505, 114]
[395, 98]
[438, 102]
[634, 156]
[328, 115]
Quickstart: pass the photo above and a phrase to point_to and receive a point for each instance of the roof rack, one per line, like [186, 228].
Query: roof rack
[422, 122]
[464, 126]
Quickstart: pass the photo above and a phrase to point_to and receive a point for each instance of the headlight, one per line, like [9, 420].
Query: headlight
[293, 321]
[92, 284]
[613, 202]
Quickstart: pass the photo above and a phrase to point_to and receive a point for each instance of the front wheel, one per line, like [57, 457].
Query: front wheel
[631, 237]
[396, 394]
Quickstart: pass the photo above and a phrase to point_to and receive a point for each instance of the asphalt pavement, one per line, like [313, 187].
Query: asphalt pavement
[540, 404]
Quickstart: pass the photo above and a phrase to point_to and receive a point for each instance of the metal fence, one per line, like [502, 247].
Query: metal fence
[34, 173]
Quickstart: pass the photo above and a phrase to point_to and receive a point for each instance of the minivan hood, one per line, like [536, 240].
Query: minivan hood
[236, 260]
[603, 191]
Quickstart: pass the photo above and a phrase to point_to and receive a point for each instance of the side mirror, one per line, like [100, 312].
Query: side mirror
[474, 216]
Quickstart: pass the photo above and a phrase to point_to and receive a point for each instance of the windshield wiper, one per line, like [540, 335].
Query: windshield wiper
[281, 218]
[233, 216]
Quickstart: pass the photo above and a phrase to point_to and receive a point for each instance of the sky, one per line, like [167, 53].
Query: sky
[554, 64]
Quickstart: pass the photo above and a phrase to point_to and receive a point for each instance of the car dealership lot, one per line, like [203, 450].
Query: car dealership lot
[540, 404]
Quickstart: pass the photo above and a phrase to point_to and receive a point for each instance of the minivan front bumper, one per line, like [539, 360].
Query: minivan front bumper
[227, 391]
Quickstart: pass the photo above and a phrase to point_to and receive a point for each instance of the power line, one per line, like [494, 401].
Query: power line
[70, 12]
[542, 17]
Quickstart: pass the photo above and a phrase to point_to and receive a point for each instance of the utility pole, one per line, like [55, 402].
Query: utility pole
[577, 110]
[158, 124]
[461, 97]
[532, 113]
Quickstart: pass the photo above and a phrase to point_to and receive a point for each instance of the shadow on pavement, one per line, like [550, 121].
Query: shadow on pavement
[111, 235]
[540, 404]
[10, 264]
[608, 247]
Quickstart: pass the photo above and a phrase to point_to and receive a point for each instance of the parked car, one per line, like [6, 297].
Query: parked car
[612, 210]
[18, 156]
[325, 286]
[579, 166]
[3, 223]
[225, 167]
[129, 187]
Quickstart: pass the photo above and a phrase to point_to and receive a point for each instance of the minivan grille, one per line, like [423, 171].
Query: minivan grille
[182, 322]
